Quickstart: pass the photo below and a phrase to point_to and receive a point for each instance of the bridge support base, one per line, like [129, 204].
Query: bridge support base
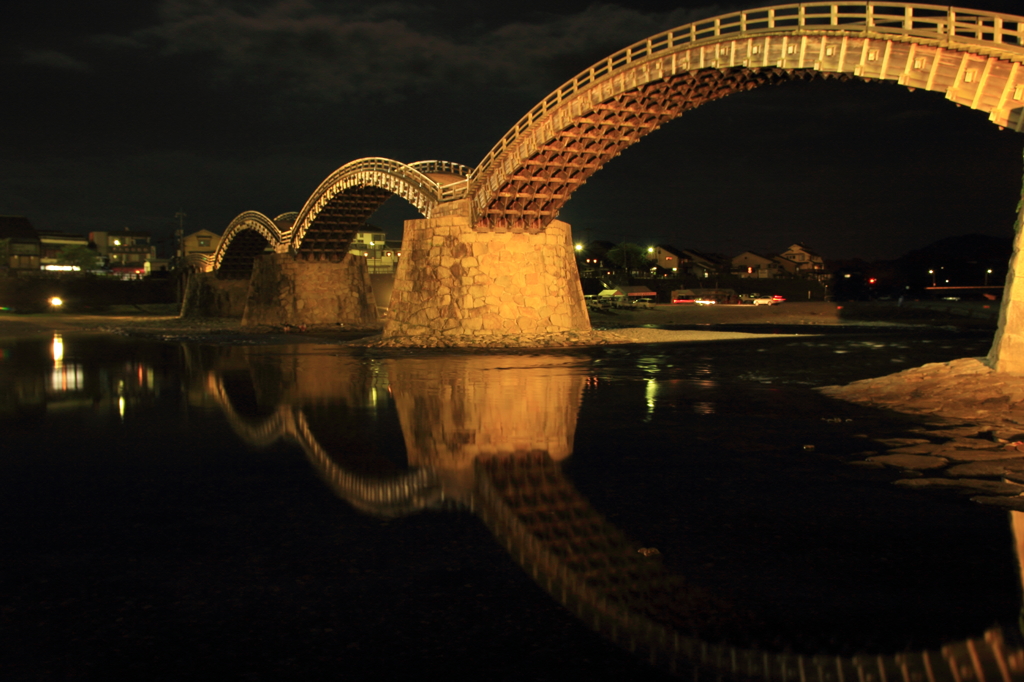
[207, 296]
[1007, 353]
[456, 286]
[284, 290]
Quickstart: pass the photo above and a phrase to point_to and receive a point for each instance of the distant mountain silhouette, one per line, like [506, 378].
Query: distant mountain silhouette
[966, 260]
[981, 249]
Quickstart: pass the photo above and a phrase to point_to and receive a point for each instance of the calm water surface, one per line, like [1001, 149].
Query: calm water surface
[314, 512]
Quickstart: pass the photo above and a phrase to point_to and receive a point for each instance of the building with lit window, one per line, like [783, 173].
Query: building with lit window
[203, 243]
[19, 245]
[750, 265]
[127, 253]
[808, 263]
[53, 246]
[381, 254]
[685, 261]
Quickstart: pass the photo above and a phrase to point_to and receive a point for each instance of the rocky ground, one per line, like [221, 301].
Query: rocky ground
[613, 326]
[974, 446]
[618, 327]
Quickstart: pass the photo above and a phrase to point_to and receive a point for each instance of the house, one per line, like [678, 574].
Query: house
[592, 258]
[668, 257]
[128, 253]
[686, 261]
[381, 254]
[52, 246]
[755, 266]
[203, 242]
[20, 247]
[807, 261]
[791, 267]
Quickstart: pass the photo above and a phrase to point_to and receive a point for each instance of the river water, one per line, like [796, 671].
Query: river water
[309, 511]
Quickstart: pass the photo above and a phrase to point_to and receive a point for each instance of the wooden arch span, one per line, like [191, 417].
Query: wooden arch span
[340, 206]
[246, 237]
[973, 57]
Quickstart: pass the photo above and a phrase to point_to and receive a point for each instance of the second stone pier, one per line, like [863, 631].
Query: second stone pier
[457, 286]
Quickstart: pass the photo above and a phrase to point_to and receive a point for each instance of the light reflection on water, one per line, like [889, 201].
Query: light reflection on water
[659, 440]
[459, 412]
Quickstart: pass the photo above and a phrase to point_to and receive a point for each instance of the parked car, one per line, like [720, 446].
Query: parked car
[768, 300]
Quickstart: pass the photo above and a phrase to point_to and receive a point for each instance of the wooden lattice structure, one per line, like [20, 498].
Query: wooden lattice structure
[249, 235]
[340, 206]
[973, 57]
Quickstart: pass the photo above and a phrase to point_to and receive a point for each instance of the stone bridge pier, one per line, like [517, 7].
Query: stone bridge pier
[285, 290]
[459, 286]
[1007, 354]
[207, 295]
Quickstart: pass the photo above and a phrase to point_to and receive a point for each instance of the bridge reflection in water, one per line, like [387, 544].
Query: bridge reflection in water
[488, 433]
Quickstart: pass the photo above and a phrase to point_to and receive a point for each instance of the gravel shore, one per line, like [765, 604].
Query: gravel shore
[612, 327]
[625, 328]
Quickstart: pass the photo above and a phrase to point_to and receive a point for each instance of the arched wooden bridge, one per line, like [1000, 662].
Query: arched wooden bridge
[465, 280]
[337, 209]
[974, 58]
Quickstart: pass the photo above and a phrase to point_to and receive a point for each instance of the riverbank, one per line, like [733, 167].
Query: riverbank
[975, 444]
[628, 327]
[612, 327]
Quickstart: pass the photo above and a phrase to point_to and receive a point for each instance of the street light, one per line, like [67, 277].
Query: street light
[987, 273]
[932, 273]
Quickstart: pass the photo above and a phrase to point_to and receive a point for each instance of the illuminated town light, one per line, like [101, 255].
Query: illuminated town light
[56, 302]
[57, 346]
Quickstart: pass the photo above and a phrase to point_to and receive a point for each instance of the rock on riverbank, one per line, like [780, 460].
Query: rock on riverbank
[977, 444]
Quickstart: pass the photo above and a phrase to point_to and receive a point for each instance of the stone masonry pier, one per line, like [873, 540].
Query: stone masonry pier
[1007, 354]
[206, 295]
[459, 287]
[285, 290]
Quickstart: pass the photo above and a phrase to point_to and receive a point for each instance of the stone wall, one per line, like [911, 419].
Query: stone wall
[1007, 354]
[284, 290]
[207, 296]
[453, 282]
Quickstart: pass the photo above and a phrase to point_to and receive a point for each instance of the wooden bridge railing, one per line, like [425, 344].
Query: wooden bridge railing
[949, 27]
[404, 174]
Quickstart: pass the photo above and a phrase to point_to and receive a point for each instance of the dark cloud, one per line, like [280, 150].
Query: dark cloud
[130, 112]
[54, 60]
[394, 51]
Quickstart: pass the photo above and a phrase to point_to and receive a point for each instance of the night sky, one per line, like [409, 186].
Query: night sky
[118, 114]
